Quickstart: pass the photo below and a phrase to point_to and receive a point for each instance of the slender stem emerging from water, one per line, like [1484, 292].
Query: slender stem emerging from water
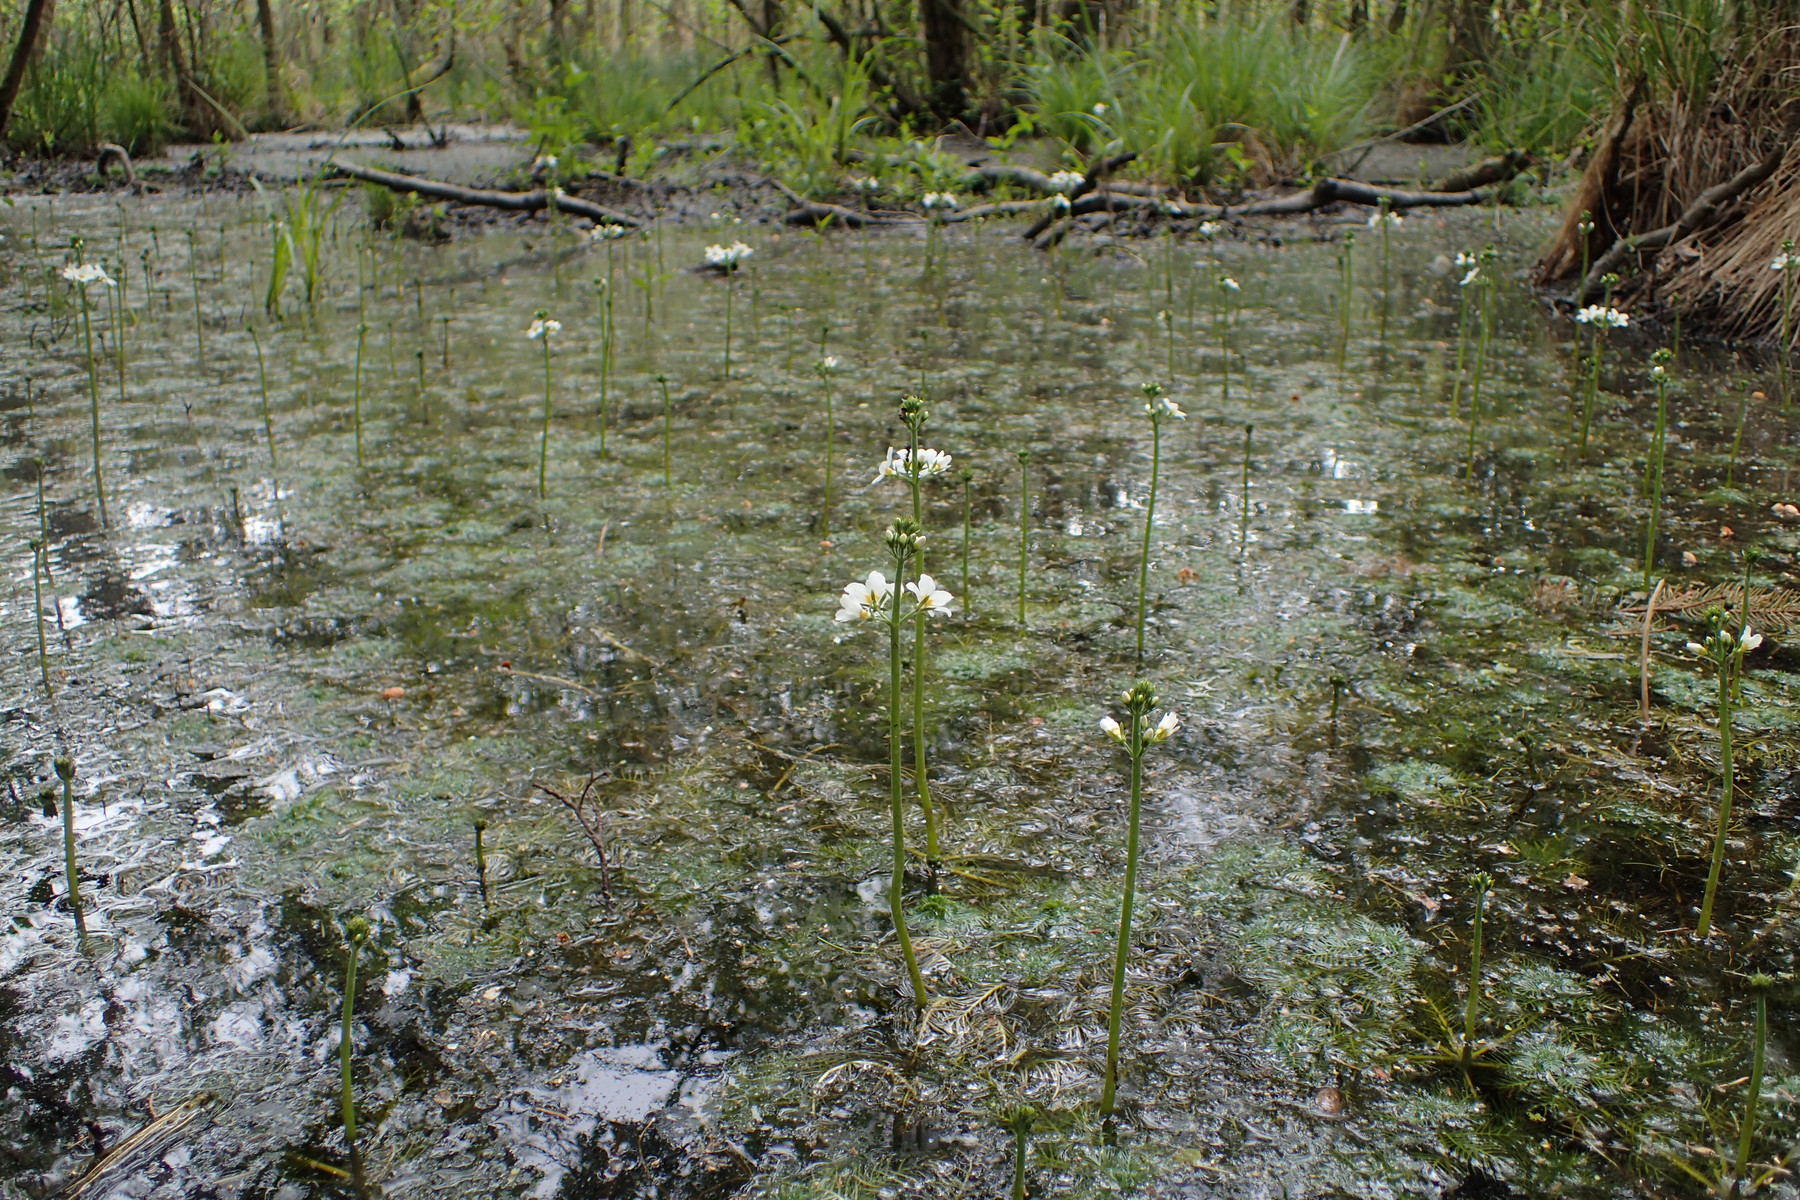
[1024, 526]
[362, 336]
[262, 376]
[87, 331]
[1244, 514]
[346, 1047]
[1725, 781]
[1149, 524]
[1116, 1013]
[1487, 321]
[668, 432]
[1655, 482]
[1472, 1010]
[897, 803]
[65, 770]
[921, 777]
[544, 447]
[1747, 1130]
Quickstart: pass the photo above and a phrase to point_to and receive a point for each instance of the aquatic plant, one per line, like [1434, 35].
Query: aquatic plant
[824, 369]
[1024, 526]
[1787, 262]
[481, 860]
[1653, 468]
[1469, 263]
[1386, 220]
[543, 328]
[362, 337]
[1486, 283]
[1346, 283]
[1737, 438]
[262, 379]
[1018, 1120]
[1760, 985]
[1244, 507]
[668, 432]
[726, 260]
[194, 278]
[916, 464]
[37, 607]
[875, 599]
[1135, 735]
[1598, 318]
[1483, 884]
[356, 932]
[81, 275]
[968, 478]
[1228, 289]
[65, 771]
[1726, 652]
[1157, 407]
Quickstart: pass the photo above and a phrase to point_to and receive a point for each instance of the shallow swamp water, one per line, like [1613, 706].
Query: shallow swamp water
[292, 687]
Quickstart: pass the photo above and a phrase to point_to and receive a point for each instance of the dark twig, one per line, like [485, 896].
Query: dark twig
[590, 825]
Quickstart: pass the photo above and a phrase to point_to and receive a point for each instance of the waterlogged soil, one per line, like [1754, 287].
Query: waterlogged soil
[297, 671]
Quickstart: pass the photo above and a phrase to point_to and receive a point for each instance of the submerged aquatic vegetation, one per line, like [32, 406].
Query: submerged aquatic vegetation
[1726, 652]
[1135, 735]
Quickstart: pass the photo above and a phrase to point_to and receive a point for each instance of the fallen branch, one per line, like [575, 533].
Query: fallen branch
[112, 150]
[816, 212]
[531, 201]
[1698, 215]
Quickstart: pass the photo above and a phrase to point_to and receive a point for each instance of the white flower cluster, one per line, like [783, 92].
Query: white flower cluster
[88, 273]
[866, 184]
[826, 365]
[607, 233]
[727, 257]
[1659, 372]
[898, 464]
[1783, 261]
[1209, 229]
[1228, 284]
[1390, 219]
[1160, 732]
[1066, 181]
[1743, 643]
[1599, 314]
[1164, 406]
[1469, 262]
[934, 200]
[543, 327]
[1060, 202]
[867, 599]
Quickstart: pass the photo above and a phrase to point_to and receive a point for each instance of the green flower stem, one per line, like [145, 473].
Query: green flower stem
[65, 768]
[346, 1047]
[1244, 524]
[897, 802]
[1149, 523]
[1487, 321]
[37, 595]
[1472, 1010]
[1655, 480]
[730, 281]
[968, 598]
[1024, 526]
[1116, 1014]
[1462, 345]
[362, 336]
[1747, 1131]
[668, 432]
[1725, 770]
[921, 777]
[262, 377]
[544, 447]
[1787, 308]
[87, 332]
[830, 445]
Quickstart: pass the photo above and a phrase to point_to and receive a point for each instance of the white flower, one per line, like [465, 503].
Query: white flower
[1168, 725]
[865, 183]
[1227, 283]
[88, 273]
[1598, 314]
[1467, 258]
[556, 192]
[1658, 372]
[1066, 181]
[940, 200]
[607, 233]
[1100, 110]
[898, 463]
[727, 257]
[864, 600]
[932, 598]
[543, 327]
[1748, 640]
[1783, 261]
[1171, 208]
[1696, 649]
[1471, 277]
[1163, 406]
[1060, 203]
[544, 162]
[1209, 229]
[1390, 219]
[1113, 729]
[828, 364]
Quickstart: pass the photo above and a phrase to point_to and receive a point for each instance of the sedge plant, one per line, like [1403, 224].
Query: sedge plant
[1725, 651]
[543, 328]
[876, 599]
[1136, 735]
[1158, 408]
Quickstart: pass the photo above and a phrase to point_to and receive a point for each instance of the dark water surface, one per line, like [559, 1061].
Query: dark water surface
[291, 694]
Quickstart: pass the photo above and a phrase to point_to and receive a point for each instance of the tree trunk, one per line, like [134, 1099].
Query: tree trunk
[1302, 12]
[265, 17]
[37, 15]
[946, 56]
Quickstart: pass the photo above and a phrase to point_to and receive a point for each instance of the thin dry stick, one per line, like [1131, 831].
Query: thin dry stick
[592, 828]
[1644, 655]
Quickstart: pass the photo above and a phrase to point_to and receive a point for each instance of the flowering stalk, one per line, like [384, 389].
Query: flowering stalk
[1487, 321]
[726, 260]
[542, 329]
[262, 378]
[1653, 471]
[194, 276]
[1347, 269]
[968, 477]
[668, 431]
[1024, 526]
[875, 599]
[357, 932]
[1228, 287]
[362, 336]
[1600, 318]
[1156, 407]
[825, 366]
[1786, 262]
[1469, 263]
[1472, 1010]
[38, 553]
[1586, 228]
[1725, 652]
[65, 771]
[1385, 219]
[1244, 523]
[81, 276]
[1134, 736]
[1760, 984]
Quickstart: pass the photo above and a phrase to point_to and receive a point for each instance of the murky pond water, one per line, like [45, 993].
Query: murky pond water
[294, 687]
